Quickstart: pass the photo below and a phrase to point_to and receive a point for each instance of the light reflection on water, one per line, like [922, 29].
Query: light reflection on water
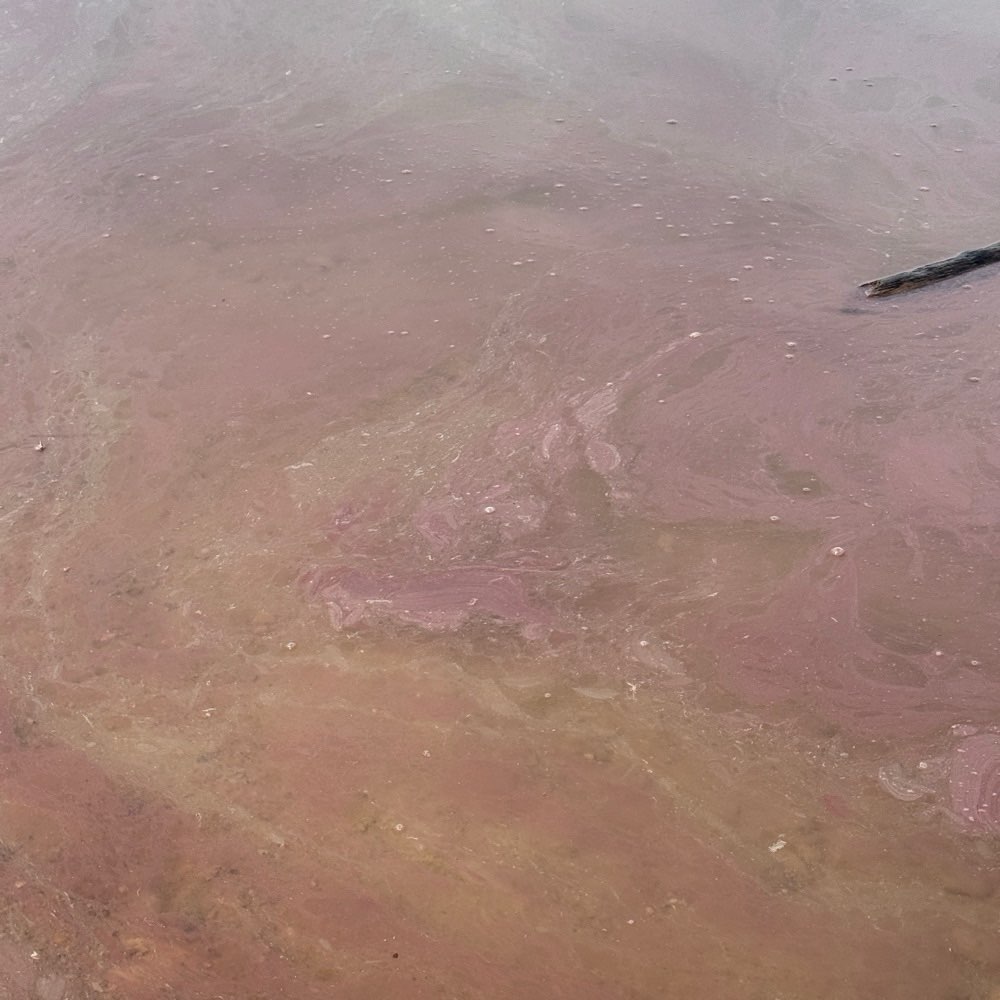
[464, 533]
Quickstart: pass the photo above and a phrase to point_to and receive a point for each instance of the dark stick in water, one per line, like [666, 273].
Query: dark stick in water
[906, 281]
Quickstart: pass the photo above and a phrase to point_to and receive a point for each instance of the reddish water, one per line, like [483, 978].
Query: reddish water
[463, 534]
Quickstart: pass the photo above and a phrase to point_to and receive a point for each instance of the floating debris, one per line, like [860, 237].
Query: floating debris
[892, 779]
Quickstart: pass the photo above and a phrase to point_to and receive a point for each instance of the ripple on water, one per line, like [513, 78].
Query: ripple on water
[974, 782]
[893, 779]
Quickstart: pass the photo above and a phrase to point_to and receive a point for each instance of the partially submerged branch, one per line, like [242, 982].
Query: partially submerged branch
[906, 281]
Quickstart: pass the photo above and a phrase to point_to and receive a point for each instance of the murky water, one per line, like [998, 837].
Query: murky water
[464, 534]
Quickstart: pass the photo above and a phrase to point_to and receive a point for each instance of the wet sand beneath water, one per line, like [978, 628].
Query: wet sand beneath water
[462, 531]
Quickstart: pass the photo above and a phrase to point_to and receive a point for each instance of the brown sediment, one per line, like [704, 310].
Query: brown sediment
[426, 584]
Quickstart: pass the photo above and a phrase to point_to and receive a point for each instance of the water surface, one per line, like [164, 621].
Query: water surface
[463, 532]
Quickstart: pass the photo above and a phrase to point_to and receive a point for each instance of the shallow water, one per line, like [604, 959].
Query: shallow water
[463, 532]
